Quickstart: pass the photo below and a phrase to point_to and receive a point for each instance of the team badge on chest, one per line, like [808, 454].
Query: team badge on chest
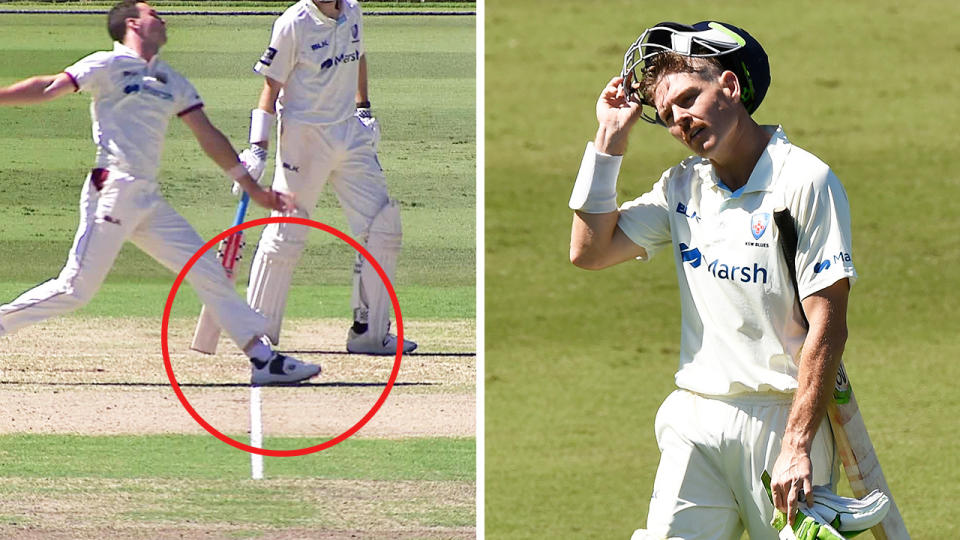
[758, 224]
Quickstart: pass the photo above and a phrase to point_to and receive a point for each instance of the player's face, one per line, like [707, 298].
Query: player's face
[152, 27]
[697, 111]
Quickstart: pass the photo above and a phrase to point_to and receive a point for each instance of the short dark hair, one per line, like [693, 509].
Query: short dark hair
[117, 19]
[670, 62]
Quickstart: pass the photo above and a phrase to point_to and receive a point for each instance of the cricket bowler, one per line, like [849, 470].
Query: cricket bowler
[754, 378]
[135, 94]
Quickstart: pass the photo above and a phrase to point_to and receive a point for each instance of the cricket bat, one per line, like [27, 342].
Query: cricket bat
[207, 334]
[859, 459]
[860, 463]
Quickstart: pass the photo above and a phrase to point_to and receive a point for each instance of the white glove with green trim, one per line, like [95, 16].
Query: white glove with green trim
[831, 517]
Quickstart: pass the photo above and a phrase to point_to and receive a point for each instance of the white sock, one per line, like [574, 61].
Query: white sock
[260, 351]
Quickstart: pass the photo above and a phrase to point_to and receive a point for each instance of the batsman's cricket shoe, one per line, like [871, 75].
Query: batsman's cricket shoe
[361, 344]
[281, 369]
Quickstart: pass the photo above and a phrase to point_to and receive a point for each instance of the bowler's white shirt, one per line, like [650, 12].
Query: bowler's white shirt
[318, 61]
[741, 327]
[133, 101]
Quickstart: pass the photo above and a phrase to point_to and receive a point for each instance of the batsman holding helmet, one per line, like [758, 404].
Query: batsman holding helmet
[135, 94]
[758, 356]
[315, 85]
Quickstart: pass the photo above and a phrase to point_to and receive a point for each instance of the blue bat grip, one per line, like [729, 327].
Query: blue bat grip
[241, 209]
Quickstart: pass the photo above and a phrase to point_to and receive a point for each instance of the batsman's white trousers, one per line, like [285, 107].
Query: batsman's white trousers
[712, 453]
[115, 208]
[308, 157]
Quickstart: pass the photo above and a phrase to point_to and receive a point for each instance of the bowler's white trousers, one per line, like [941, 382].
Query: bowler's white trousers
[115, 208]
[713, 451]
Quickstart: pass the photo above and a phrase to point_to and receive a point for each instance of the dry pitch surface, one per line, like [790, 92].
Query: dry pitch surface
[106, 376]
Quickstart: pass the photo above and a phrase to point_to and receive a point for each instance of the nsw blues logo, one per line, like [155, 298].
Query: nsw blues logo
[758, 224]
[355, 32]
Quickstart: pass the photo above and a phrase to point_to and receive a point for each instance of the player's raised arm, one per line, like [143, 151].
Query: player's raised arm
[37, 89]
[216, 145]
[595, 240]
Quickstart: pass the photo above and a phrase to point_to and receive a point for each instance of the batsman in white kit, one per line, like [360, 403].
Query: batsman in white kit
[135, 94]
[758, 356]
[315, 87]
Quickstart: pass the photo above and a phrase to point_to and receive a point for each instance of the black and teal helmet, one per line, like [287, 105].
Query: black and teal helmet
[733, 47]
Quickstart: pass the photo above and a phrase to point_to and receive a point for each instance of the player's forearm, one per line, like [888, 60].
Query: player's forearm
[216, 145]
[363, 94]
[819, 361]
[268, 96]
[590, 238]
[28, 91]
[263, 117]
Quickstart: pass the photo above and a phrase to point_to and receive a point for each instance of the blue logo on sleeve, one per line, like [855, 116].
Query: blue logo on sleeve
[842, 257]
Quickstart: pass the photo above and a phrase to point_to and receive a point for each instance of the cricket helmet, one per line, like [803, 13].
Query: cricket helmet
[733, 47]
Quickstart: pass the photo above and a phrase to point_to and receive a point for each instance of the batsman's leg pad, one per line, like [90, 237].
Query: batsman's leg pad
[370, 300]
[278, 252]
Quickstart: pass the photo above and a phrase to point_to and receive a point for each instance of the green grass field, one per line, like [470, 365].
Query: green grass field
[578, 362]
[154, 482]
[422, 84]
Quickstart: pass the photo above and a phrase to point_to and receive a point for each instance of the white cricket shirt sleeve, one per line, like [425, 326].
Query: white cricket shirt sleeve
[281, 55]
[646, 219]
[90, 74]
[187, 98]
[823, 234]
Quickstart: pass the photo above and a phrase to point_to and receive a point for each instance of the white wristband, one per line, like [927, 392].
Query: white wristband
[237, 172]
[260, 124]
[595, 191]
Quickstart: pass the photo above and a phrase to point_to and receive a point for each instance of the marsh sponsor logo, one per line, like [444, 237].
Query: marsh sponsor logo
[690, 255]
[727, 271]
[842, 258]
[137, 88]
[340, 59]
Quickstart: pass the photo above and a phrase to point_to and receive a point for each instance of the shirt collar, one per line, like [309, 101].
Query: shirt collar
[318, 15]
[768, 167]
[123, 50]
[764, 172]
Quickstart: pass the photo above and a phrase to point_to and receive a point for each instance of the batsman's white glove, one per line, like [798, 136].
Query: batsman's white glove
[254, 159]
[365, 115]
